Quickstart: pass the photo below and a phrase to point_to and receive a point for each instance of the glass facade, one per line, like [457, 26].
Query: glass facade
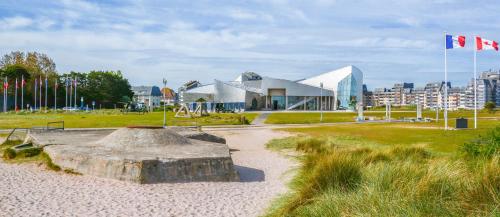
[294, 100]
[346, 93]
[278, 102]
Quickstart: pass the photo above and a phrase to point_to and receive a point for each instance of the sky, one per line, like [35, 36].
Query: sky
[389, 40]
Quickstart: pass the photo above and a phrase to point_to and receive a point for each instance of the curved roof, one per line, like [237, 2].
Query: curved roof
[332, 78]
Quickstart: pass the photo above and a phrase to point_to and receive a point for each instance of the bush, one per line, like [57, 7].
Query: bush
[9, 153]
[490, 107]
[484, 146]
[29, 152]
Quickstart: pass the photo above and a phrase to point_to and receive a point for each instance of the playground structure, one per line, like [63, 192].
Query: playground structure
[201, 110]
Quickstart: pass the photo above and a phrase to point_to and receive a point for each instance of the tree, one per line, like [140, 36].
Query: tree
[490, 107]
[104, 87]
[35, 63]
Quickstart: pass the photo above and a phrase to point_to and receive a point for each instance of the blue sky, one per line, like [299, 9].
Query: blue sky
[389, 40]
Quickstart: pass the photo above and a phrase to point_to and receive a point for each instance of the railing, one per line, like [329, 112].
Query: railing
[12, 135]
[55, 128]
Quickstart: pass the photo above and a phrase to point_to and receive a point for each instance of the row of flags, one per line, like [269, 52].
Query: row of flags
[481, 43]
[38, 84]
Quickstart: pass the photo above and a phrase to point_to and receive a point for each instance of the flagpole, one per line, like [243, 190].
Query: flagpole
[55, 94]
[36, 88]
[75, 92]
[22, 92]
[40, 92]
[15, 98]
[46, 90]
[475, 83]
[445, 85]
[5, 95]
[70, 92]
[66, 92]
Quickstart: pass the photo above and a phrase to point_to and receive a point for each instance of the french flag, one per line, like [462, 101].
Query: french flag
[483, 44]
[455, 41]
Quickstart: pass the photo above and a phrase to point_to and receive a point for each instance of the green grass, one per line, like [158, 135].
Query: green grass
[110, 118]
[430, 135]
[34, 155]
[335, 117]
[352, 176]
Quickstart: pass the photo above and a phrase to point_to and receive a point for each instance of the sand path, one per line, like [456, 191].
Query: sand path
[26, 190]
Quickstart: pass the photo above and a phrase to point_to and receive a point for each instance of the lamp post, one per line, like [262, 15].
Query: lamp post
[164, 105]
[321, 102]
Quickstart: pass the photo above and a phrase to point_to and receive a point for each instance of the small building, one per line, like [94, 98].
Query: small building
[169, 96]
[149, 96]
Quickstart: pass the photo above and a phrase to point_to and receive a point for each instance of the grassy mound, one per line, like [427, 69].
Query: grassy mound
[32, 155]
[367, 180]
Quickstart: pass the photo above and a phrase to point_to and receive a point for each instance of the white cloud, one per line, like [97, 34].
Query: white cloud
[15, 22]
[378, 42]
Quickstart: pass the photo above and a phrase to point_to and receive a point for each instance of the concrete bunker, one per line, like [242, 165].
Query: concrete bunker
[141, 154]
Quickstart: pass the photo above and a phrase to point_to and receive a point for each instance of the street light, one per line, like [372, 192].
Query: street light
[164, 103]
[321, 102]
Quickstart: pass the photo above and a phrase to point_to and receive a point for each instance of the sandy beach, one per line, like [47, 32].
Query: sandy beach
[29, 190]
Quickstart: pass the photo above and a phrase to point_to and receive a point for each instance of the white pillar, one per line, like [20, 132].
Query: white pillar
[286, 102]
[305, 102]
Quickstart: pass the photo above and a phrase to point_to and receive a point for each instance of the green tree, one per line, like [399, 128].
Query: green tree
[490, 107]
[106, 88]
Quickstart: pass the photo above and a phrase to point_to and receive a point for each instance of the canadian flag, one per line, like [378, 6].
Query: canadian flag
[483, 44]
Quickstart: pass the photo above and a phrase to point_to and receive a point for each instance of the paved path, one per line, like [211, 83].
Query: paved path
[27, 190]
[261, 119]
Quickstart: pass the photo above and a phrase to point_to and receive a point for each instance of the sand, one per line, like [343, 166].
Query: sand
[29, 190]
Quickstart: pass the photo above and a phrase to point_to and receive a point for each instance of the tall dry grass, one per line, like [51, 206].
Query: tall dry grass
[345, 180]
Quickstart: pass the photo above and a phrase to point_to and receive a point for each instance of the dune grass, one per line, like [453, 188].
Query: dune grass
[110, 118]
[336, 117]
[348, 177]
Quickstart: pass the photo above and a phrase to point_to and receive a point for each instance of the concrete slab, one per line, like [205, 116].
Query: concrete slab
[140, 155]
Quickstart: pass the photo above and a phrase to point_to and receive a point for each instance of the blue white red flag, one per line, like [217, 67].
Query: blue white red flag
[455, 41]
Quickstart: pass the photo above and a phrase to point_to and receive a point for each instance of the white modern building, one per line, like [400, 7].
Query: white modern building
[149, 96]
[342, 90]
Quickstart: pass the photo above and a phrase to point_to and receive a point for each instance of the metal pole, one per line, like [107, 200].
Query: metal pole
[22, 92]
[445, 86]
[55, 94]
[36, 88]
[321, 102]
[76, 83]
[164, 105]
[66, 92]
[70, 92]
[475, 84]
[40, 92]
[15, 98]
[46, 91]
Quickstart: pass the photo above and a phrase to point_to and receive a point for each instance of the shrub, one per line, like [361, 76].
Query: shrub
[490, 107]
[9, 153]
[29, 152]
[484, 146]
[311, 145]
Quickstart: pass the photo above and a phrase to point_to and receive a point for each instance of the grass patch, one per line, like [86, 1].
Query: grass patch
[32, 155]
[117, 119]
[338, 117]
[342, 177]
[403, 134]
